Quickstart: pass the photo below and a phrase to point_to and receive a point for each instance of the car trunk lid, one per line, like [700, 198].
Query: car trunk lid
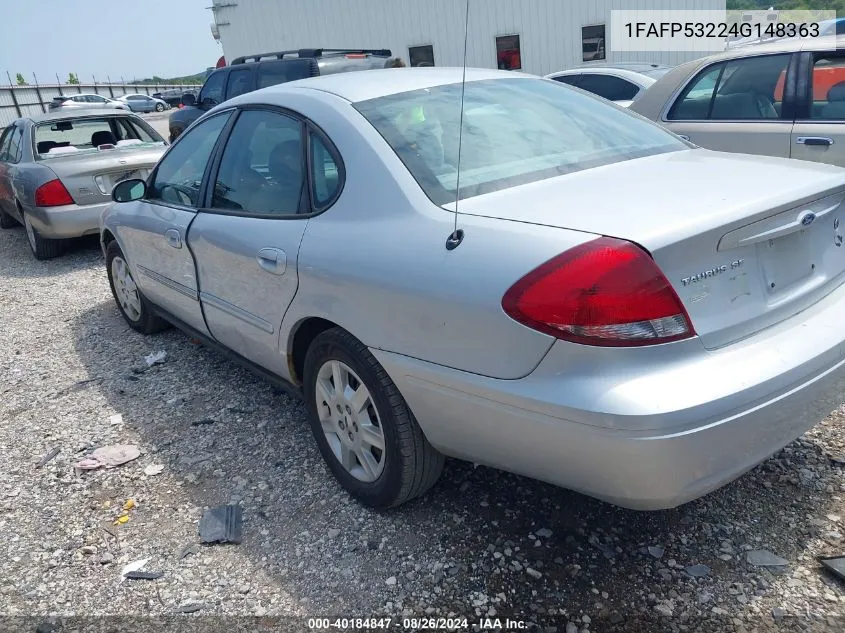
[90, 176]
[745, 241]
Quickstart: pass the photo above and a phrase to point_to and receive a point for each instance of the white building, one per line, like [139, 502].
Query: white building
[536, 36]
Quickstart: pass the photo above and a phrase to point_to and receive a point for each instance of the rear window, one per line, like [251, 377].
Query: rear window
[74, 135]
[516, 131]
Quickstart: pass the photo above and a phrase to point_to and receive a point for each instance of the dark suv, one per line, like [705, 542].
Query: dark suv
[254, 72]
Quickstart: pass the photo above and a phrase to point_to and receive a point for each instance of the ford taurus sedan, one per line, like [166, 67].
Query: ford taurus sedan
[57, 171]
[549, 312]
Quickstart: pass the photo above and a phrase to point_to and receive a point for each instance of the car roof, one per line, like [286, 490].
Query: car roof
[372, 84]
[785, 45]
[78, 113]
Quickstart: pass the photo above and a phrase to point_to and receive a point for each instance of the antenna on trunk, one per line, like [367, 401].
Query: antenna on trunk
[457, 236]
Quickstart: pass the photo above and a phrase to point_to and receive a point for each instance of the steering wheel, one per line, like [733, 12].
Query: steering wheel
[185, 194]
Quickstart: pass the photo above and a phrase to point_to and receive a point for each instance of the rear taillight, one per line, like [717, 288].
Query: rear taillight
[604, 292]
[52, 194]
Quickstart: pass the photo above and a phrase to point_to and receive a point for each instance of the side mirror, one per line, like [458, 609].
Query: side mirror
[189, 99]
[129, 190]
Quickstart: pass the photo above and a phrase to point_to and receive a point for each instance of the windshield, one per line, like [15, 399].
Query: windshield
[516, 131]
[75, 135]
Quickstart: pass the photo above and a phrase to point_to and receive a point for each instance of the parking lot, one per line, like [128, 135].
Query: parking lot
[481, 543]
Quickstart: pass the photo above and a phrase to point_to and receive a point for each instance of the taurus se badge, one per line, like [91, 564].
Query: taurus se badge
[707, 274]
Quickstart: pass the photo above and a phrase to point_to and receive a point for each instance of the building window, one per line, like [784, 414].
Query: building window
[507, 52]
[421, 55]
[593, 42]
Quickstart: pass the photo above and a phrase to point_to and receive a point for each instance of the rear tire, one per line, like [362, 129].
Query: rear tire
[42, 247]
[134, 307]
[388, 458]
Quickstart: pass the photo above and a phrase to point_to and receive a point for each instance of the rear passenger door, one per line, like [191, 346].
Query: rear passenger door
[742, 105]
[246, 240]
[819, 131]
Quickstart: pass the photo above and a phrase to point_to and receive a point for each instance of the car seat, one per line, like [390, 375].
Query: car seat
[835, 108]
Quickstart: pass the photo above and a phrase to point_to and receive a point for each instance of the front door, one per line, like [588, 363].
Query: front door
[742, 105]
[819, 132]
[246, 241]
[158, 250]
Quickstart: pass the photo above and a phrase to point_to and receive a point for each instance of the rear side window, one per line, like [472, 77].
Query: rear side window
[279, 72]
[4, 143]
[15, 150]
[570, 80]
[609, 87]
[745, 89]
[261, 171]
[326, 174]
[212, 91]
[240, 82]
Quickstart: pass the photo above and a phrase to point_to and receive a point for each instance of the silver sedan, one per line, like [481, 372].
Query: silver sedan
[57, 171]
[593, 302]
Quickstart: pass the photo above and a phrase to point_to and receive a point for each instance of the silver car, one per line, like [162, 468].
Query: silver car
[620, 83]
[598, 304]
[57, 171]
[85, 101]
[144, 103]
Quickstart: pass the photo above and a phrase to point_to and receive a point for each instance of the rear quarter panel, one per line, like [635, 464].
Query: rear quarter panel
[376, 263]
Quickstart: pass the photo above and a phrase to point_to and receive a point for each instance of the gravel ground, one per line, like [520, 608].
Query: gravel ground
[482, 543]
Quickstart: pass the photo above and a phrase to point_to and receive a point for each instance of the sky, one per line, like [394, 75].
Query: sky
[106, 38]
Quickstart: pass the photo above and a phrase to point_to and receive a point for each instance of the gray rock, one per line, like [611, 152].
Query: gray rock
[333, 533]
[390, 581]
[543, 533]
[698, 571]
[655, 551]
[664, 609]
[533, 573]
[571, 627]
[764, 558]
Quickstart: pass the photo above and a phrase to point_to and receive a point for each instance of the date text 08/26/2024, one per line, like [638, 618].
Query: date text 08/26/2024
[416, 624]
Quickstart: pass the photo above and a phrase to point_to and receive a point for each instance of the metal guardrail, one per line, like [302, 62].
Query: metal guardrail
[18, 101]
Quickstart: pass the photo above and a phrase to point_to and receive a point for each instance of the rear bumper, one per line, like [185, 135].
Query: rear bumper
[67, 221]
[647, 435]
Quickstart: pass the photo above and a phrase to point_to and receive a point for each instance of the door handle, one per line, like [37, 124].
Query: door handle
[273, 260]
[814, 140]
[684, 136]
[173, 237]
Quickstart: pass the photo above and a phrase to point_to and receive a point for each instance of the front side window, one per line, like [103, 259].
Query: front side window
[212, 92]
[178, 177]
[94, 99]
[508, 54]
[746, 89]
[515, 131]
[593, 43]
[609, 87]
[261, 171]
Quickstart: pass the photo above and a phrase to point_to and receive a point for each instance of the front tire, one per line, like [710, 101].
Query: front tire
[42, 247]
[363, 427]
[134, 307]
[159, 107]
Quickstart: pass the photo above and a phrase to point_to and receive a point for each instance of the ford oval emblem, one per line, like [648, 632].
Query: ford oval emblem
[808, 218]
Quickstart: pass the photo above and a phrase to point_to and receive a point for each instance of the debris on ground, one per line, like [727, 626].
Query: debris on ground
[109, 457]
[135, 565]
[143, 575]
[697, 571]
[155, 358]
[835, 564]
[188, 550]
[764, 558]
[223, 524]
[191, 607]
[153, 469]
[47, 458]
[655, 551]
[130, 504]
[203, 422]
